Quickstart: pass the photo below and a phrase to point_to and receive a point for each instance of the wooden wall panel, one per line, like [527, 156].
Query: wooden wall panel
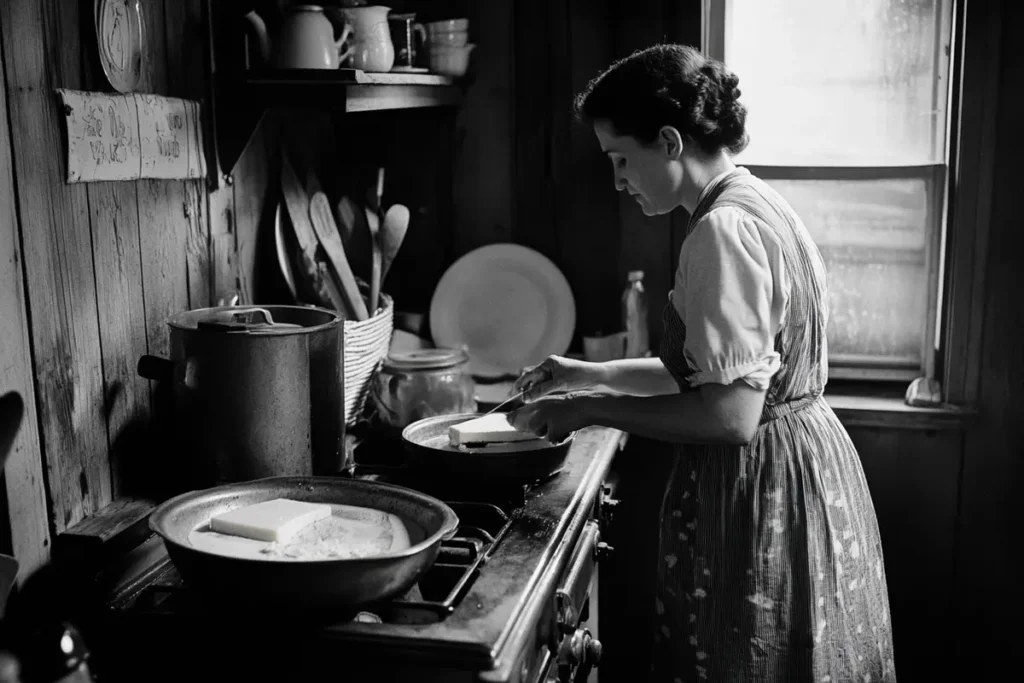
[484, 138]
[163, 223]
[987, 583]
[26, 513]
[114, 225]
[588, 211]
[187, 68]
[913, 476]
[61, 288]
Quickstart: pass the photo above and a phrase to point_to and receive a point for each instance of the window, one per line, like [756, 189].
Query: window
[848, 114]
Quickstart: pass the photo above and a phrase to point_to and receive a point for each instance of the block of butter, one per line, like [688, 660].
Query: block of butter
[272, 520]
[493, 428]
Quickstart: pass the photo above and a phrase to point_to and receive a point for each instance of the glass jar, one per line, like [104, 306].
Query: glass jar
[412, 385]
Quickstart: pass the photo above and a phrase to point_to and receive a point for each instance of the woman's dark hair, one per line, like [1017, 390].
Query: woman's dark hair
[669, 85]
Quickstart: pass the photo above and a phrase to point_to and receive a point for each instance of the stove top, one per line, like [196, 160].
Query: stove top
[466, 613]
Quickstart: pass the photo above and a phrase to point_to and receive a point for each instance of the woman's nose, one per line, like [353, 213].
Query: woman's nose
[620, 181]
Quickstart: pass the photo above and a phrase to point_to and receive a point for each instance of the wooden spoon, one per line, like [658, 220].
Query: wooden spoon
[330, 239]
[396, 223]
[373, 222]
[355, 236]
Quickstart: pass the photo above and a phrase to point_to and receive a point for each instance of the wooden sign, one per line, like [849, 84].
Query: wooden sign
[132, 136]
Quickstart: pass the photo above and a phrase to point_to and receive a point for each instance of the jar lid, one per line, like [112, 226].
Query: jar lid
[425, 359]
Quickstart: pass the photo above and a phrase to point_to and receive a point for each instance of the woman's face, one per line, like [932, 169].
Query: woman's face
[651, 173]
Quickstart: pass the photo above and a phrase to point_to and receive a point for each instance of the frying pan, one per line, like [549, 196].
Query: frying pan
[304, 586]
[427, 447]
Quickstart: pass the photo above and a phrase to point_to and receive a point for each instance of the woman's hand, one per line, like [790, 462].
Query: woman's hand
[552, 418]
[557, 374]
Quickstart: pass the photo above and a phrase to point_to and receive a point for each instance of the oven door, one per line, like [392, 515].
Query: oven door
[579, 650]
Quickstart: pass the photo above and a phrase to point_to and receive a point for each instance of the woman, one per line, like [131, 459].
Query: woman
[771, 565]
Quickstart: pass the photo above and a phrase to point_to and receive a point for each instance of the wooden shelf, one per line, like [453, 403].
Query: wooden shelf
[352, 90]
[243, 103]
[243, 94]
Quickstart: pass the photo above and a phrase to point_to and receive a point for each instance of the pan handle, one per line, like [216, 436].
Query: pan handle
[155, 368]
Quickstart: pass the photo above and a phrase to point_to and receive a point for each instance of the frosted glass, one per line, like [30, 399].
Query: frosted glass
[841, 82]
[873, 235]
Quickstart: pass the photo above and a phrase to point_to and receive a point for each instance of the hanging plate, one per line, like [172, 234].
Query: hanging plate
[120, 33]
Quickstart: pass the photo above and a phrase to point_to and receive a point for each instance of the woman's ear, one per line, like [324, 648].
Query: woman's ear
[671, 141]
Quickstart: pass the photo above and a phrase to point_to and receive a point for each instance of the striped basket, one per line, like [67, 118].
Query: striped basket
[366, 345]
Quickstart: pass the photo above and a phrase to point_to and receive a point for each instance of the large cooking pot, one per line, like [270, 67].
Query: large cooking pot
[257, 391]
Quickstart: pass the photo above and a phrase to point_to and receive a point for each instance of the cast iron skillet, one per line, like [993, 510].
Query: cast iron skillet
[427, 446]
[304, 586]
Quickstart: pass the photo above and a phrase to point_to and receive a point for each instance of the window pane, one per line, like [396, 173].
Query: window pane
[873, 237]
[841, 82]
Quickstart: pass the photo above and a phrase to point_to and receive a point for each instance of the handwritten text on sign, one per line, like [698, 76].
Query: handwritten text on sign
[132, 136]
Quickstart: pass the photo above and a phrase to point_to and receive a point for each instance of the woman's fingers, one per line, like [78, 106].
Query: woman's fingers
[535, 381]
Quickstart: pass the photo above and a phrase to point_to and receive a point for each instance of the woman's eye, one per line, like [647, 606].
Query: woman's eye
[620, 162]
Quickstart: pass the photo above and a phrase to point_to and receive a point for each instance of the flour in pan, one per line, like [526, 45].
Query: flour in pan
[350, 532]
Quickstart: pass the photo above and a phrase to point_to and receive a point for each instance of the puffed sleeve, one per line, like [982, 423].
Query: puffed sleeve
[732, 294]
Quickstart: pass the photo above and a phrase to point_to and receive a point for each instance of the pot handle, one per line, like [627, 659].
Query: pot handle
[238, 319]
[155, 368]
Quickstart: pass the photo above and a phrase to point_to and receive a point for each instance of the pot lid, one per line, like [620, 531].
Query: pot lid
[425, 359]
[258, 320]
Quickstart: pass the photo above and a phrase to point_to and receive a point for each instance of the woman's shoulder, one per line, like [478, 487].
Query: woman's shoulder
[725, 224]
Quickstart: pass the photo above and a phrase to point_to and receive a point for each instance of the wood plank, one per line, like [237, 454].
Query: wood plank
[484, 133]
[41, 43]
[188, 77]
[114, 223]
[163, 224]
[114, 213]
[115, 529]
[26, 511]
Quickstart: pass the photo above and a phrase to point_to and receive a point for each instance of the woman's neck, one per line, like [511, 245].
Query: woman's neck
[698, 172]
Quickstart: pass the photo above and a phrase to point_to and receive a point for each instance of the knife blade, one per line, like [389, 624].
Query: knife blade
[504, 403]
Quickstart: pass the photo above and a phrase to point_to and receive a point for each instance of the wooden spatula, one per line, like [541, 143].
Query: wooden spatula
[297, 201]
[392, 233]
[355, 235]
[327, 233]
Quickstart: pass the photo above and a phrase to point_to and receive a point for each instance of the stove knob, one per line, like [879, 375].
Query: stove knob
[602, 551]
[593, 652]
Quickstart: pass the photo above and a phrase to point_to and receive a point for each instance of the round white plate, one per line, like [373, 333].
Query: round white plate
[120, 34]
[508, 305]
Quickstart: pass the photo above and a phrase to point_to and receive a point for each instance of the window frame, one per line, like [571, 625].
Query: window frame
[937, 178]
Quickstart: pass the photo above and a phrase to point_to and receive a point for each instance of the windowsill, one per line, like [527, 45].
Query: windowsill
[876, 406]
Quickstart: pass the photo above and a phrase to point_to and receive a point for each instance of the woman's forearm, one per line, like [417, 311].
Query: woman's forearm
[637, 377]
[719, 415]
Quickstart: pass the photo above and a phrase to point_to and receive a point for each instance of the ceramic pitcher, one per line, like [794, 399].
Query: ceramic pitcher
[370, 47]
[304, 40]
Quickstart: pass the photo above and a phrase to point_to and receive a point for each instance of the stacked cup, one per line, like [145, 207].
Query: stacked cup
[448, 46]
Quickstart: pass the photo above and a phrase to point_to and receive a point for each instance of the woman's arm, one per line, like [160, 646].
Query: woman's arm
[636, 377]
[715, 414]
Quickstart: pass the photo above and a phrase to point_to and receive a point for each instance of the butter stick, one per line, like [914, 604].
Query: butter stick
[273, 520]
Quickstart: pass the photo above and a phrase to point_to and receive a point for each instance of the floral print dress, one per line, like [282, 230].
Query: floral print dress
[770, 564]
